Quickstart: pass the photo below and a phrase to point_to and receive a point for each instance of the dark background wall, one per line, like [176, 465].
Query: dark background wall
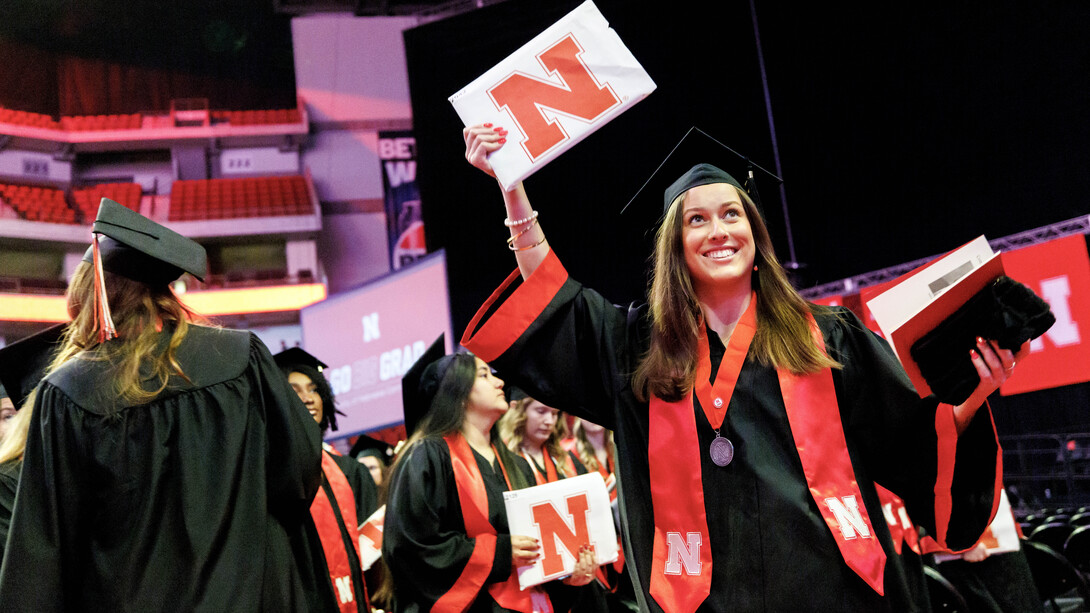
[904, 130]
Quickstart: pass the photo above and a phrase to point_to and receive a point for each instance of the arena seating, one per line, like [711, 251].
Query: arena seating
[233, 198]
[25, 118]
[78, 123]
[258, 117]
[87, 199]
[38, 203]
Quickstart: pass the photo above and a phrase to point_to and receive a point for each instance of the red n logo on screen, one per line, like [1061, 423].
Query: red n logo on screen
[569, 529]
[578, 95]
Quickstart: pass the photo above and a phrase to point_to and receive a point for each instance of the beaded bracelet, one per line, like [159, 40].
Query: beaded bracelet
[515, 237]
[511, 224]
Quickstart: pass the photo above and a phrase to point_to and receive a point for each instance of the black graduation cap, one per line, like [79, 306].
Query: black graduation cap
[421, 381]
[368, 446]
[295, 356]
[137, 248]
[514, 393]
[24, 362]
[697, 159]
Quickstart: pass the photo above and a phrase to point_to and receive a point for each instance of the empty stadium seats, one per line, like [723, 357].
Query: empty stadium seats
[37, 203]
[234, 198]
[87, 199]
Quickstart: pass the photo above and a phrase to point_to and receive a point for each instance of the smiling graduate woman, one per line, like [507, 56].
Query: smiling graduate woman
[750, 425]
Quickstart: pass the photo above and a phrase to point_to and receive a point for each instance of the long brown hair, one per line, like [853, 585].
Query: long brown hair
[137, 310]
[512, 428]
[586, 451]
[783, 338]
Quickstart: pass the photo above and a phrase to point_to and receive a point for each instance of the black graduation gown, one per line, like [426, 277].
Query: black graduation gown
[424, 540]
[772, 551]
[365, 494]
[9, 483]
[186, 503]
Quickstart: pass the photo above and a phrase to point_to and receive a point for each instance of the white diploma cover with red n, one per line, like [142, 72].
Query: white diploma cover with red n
[563, 516]
[556, 90]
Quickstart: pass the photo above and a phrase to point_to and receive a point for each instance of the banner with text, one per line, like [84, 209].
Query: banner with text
[1059, 272]
[404, 222]
[371, 335]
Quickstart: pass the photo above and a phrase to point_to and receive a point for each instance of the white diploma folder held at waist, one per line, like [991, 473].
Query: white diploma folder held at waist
[563, 516]
[556, 90]
[371, 538]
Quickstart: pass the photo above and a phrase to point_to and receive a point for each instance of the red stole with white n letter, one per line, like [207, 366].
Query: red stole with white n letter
[329, 533]
[681, 567]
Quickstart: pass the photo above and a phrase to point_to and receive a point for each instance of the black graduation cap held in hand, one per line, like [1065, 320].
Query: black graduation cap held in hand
[421, 382]
[294, 356]
[23, 364]
[697, 159]
[126, 243]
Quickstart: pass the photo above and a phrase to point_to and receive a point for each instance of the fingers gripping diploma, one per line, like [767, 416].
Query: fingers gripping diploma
[994, 366]
[525, 550]
[482, 140]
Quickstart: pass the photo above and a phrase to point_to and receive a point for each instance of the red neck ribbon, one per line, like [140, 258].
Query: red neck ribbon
[550, 475]
[474, 502]
[329, 532]
[683, 583]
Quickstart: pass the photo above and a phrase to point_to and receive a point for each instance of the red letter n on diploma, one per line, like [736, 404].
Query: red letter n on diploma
[578, 94]
[554, 527]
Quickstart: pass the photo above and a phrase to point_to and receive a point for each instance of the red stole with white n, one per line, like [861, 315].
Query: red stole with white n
[474, 501]
[329, 533]
[681, 567]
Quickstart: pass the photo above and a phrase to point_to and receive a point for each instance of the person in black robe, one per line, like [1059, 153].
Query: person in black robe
[750, 489]
[446, 541]
[22, 365]
[328, 525]
[168, 464]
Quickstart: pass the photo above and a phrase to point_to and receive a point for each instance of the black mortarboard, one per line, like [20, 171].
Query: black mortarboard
[368, 446]
[295, 356]
[421, 381]
[24, 362]
[697, 159]
[514, 393]
[137, 248]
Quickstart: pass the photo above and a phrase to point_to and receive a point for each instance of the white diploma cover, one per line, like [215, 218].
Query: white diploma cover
[556, 90]
[371, 538]
[563, 516]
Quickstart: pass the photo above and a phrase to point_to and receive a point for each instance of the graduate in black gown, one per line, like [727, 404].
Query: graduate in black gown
[22, 365]
[446, 541]
[348, 495]
[168, 464]
[750, 424]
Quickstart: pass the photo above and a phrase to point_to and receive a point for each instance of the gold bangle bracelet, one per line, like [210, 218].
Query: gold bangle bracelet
[512, 246]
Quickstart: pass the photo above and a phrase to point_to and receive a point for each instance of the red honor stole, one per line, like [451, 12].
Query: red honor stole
[329, 533]
[681, 523]
[550, 475]
[474, 501]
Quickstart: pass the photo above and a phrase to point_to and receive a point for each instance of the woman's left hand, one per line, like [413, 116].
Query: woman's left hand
[994, 366]
[584, 567]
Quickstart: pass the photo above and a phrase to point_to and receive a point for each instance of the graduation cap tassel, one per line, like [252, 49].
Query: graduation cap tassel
[103, 320]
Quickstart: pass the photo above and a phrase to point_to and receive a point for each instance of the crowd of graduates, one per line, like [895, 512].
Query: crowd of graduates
[157, 462]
